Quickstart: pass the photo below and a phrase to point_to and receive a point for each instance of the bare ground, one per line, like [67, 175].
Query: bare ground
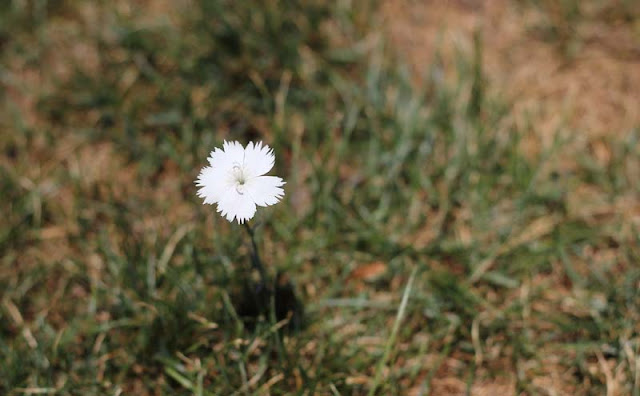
[581, 72]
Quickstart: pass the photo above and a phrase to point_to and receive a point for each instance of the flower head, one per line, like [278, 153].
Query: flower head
[236, 182]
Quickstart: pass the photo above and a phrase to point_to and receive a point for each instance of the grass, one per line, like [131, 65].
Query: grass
[433, 252]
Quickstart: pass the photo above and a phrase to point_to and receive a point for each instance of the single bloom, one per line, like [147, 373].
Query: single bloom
[236, 180]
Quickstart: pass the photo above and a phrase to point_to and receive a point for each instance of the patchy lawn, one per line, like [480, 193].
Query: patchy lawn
[461, 213]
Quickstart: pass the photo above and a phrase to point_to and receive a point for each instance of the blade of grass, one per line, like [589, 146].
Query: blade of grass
[394, 333]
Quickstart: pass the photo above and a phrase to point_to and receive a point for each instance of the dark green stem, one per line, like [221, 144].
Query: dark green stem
[256, 263]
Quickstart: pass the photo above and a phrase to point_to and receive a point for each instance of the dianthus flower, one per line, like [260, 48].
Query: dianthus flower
[236, 181]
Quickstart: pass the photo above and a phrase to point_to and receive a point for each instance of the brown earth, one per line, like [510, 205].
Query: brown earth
[563, 68]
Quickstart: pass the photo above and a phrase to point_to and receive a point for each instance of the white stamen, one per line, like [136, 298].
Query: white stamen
[238, 175]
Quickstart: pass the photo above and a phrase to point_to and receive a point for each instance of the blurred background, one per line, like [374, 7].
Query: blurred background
[491, 147]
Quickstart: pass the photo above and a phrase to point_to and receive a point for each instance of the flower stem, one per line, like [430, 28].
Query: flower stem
[256, 263]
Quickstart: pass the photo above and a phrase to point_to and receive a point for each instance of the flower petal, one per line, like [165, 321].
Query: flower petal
[265, 190]
[235, 205]
[231, 153]
[211, 182]
[258, 159]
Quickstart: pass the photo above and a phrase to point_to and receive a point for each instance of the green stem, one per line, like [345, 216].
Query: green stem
[256, 263]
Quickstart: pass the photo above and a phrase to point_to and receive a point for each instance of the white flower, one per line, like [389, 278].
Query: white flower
[236, 182]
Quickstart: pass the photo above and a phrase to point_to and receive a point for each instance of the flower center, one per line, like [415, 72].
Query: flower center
[239, 177]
